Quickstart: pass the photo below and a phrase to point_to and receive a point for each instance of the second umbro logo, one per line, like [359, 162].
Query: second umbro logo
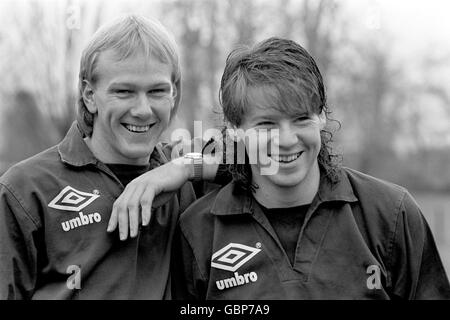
[232, 257]
[71, 199]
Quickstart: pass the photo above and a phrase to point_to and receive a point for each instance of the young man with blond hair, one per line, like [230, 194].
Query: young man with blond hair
[55, 206]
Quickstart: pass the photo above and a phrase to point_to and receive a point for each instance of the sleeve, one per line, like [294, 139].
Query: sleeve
[18, 253]
[186, 196]
[417, 270]
[186, 284]
[223, 175]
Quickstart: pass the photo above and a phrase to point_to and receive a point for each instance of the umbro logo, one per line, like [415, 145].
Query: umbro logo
[230, 258]
[71, 199]
[233, 256]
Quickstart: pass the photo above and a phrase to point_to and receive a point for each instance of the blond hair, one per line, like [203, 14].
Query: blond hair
[126, 36]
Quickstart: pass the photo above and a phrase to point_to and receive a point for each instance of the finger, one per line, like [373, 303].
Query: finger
[146, 205]
[122, 212]
[134, 213]
[123, 226]
[112, 224]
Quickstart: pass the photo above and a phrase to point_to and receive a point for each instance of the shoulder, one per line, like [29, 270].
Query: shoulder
[200, 210]
[374, 191]
[33, 168]
[383, 205]
[368, 181]
[22, 186]
[203, 212]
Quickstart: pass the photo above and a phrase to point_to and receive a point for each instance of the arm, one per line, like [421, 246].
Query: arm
[152, 189]
[18, 252]
[417, 271]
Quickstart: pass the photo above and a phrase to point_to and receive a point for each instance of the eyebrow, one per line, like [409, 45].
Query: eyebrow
[128, 84]
[302, 114]
[259, 118]
[272, 116]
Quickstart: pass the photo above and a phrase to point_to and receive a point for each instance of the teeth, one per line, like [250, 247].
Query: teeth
[137, 128]
[289, 158]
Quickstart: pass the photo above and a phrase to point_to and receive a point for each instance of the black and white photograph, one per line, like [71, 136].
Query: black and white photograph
[243, 152]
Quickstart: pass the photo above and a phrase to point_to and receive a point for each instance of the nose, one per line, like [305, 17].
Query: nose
[287, 136]
[143, 107]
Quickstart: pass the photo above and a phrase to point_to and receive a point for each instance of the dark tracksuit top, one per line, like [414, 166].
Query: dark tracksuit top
[362, 239]
[54, 211]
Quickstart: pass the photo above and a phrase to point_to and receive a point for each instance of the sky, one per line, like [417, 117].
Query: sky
[416, 23]
[416, 28]
[418, 19]
[413, 30]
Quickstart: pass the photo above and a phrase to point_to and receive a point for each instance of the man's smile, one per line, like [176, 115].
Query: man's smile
[286, 158]
[136, 128]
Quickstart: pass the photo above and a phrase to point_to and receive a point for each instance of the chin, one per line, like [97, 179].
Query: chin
[136, 154]
[286, 181]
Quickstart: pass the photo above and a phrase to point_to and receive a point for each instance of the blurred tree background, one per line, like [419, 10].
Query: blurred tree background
[392, 99]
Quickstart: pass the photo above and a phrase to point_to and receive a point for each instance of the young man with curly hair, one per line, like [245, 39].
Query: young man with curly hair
[313, 229]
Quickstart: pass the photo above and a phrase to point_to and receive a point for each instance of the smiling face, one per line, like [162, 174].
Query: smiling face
[294, 150]
[131, 101]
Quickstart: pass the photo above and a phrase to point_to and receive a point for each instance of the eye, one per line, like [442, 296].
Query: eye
[159, 91]
[265, 123]
[302, 118]
[122, 92]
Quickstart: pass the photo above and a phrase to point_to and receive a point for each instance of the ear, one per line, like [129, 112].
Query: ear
[322, 120]
[88, 97]
[176, 97]
[174, 102]
[174, 93]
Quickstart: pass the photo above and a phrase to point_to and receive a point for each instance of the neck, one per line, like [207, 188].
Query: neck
[106, 155]
[272, 196]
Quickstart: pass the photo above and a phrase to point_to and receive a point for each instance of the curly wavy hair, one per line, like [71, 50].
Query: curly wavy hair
[296, 85]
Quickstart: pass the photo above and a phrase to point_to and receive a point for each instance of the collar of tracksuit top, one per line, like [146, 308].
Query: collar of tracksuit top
[242, 203]
[75, 152]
